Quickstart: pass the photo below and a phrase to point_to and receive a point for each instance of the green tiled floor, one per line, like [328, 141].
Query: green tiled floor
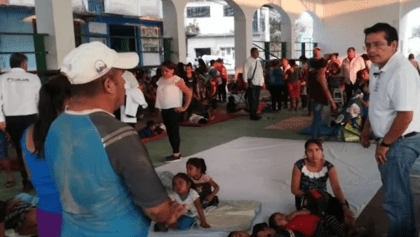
[196, 139]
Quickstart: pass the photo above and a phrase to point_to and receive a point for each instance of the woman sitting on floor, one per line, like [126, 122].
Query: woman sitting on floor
[312, 172]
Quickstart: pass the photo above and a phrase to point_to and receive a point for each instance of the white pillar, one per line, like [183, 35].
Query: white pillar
[267, 24]
[55, 18]
[173, 27]
[243, 34]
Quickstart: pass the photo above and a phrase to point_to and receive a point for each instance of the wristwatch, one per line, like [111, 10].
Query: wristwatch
[384, 144]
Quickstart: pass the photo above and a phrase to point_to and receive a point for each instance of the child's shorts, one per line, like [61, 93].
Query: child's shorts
[3, 145]
[185, 222]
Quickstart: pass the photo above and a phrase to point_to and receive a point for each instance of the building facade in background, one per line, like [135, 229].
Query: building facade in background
[124, 25]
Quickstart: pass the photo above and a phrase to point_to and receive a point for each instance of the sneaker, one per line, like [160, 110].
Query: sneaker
[173, 158]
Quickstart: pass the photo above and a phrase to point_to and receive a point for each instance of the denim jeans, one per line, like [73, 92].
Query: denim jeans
[395, 174]
[317, 120]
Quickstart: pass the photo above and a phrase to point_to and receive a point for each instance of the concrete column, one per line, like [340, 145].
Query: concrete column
[173, 27]
[55, 18]
[290, 36]
[243, 33]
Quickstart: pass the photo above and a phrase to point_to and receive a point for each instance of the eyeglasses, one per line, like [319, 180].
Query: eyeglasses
[376, 45]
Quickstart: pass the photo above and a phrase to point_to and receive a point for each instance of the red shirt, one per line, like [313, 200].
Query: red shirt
[305, 224]
[223, 72]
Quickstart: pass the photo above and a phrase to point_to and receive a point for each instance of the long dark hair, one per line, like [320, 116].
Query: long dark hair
[52, 96]
[185, 177]
[198, 163]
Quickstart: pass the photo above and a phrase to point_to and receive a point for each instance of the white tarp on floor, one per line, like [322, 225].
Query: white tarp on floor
[260, 169]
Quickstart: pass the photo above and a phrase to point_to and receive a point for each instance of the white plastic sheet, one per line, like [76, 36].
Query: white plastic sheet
[261, 169]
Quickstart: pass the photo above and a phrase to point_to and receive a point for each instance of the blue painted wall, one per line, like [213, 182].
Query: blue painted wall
[11, 21]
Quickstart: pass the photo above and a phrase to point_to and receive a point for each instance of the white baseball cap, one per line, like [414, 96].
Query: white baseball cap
[92, 60]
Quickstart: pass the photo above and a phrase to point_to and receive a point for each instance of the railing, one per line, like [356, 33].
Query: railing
[305, 48]
[39, 51]
[159, 47]
[39, 48]
[269, 52]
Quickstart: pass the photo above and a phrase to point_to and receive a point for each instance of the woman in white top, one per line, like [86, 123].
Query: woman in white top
[169, 101]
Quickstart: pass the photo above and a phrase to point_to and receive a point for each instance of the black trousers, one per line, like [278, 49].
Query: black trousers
[349, 91]
[15, 126]
[221, 91]
[277, 96]
[171, 119]
[285, 95]
[253, 99]
[304, 99]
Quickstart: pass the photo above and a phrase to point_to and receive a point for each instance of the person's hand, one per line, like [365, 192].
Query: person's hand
[8, 137]
[380, 154]
[364, 138]
[348, 216]
[180, 109]
[245, 85]
[177, 210]
[209, 197]
[291, 216]
[3, 126]
[333, 106]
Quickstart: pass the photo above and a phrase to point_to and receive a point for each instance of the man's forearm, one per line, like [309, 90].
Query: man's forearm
[398, 127]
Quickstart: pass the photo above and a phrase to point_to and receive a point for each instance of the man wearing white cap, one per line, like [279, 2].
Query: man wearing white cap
[101, 169]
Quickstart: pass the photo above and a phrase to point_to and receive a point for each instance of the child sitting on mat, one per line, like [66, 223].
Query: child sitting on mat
[196, 170]
[231, 106]
[148, 130]
[190, 200]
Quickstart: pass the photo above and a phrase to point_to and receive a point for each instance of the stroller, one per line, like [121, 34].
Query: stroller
[349, 119]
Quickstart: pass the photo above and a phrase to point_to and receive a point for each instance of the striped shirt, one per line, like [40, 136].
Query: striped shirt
[103, 174]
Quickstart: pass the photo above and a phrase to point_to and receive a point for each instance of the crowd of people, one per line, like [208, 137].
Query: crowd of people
[94, 177]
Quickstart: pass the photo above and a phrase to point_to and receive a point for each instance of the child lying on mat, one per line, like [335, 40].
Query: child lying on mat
[19, 214]
[263, 230]
[150, 130]
[313, 220]
[307, 224]
[189, 198]
[196, 170]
